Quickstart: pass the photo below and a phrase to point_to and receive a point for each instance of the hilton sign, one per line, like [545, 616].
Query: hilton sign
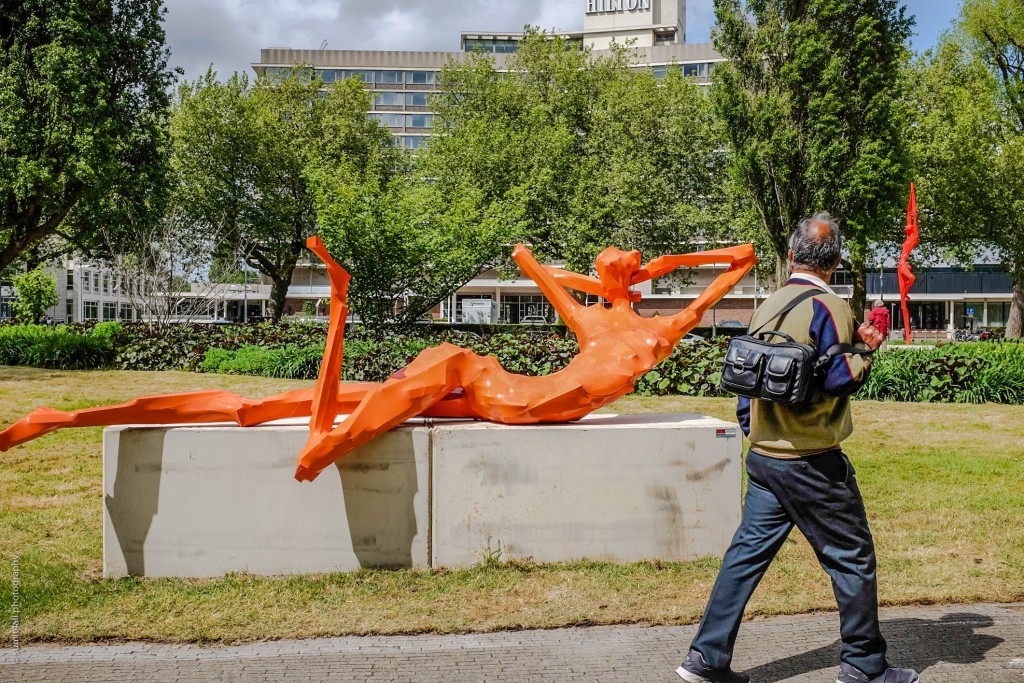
[600, 6]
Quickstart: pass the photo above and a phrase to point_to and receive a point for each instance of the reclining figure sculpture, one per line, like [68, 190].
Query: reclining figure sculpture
[617, 346]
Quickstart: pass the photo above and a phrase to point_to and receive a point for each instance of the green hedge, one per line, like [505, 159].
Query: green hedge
[58, 348]
[952, 373]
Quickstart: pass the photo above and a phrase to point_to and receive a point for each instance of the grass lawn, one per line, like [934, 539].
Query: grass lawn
[944, 486]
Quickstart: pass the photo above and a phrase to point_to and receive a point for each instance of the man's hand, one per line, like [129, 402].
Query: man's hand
[869, 334]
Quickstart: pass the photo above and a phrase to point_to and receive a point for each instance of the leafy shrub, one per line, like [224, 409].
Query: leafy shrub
[961, 373]
[289, 362]
[953, 373]
[57, 348]
[691, 370]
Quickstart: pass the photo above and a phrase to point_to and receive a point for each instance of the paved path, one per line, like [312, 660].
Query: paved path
[982, 643]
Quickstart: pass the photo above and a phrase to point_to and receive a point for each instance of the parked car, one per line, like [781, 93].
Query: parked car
[533, 320]
[730, 323]
[691, 338]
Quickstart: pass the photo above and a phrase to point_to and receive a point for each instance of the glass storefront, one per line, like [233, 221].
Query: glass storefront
[968, 314]
[923, 316]
[518, 306]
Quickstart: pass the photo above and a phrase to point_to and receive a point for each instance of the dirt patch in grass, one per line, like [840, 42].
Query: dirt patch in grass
[943, 484]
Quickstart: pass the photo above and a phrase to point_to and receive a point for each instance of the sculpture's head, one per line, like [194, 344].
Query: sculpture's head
[616, 269]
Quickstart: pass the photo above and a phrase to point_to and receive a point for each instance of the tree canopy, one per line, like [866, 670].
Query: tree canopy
[241, 153]
[570, 152]
[37, 291]
[83, 105]
[810, 102]
[968, 140]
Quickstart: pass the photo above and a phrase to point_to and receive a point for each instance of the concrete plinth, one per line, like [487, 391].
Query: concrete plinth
[203, 501]
[195, 501]
[619, 488]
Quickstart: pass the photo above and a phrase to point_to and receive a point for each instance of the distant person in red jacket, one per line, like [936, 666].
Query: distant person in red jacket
[879, 317]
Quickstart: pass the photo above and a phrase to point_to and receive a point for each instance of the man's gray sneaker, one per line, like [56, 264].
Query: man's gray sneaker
[695, 670]
[851, 674]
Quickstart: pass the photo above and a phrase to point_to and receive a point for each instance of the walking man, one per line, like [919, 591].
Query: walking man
[798, 475]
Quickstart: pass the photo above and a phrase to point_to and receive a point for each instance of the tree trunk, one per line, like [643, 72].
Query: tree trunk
[858, 303]
[1015, 324]
[278, 294]
[781, 271]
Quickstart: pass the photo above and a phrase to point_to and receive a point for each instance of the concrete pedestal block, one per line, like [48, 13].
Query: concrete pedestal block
[196, 501]
[206, 500]
[619, 488]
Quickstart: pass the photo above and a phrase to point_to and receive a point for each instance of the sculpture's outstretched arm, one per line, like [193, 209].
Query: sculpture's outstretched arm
[663, 265]
[325, 395]
[566, 306]
[581, 283]
[740, 260]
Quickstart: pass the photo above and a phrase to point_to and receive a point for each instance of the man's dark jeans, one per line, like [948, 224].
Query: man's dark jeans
[819, 494]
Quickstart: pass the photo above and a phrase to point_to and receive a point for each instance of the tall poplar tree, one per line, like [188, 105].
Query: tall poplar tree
[810, 102]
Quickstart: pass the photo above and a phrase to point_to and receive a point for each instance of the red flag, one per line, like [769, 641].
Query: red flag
[906, 277]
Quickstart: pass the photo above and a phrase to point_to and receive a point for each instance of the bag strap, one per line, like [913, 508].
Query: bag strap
[839, 350]
[801, 297]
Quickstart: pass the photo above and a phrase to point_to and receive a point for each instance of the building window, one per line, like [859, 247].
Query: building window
[998, 313]
[96, 282]
[968, 314]
[660, 71]
[420, 77]
[390, 76]
[329, 75]
[109, 310]
[106, 284]
[126, 312]
[71, 279]
[505, 46]
[390, 99]
[389, 120]
[364, 76]
[419, 120]
[479, 44]
[923, 316]
[665, 38]
[695, 70]
[414, 141]
[516, 307]
[415, 99]
[90, 310]
[69, 310]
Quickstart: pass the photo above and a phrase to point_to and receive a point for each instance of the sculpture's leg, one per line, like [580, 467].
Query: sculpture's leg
[190, 408]
[411, 392]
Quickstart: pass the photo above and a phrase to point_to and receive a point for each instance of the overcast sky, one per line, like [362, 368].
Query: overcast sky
[229, 33]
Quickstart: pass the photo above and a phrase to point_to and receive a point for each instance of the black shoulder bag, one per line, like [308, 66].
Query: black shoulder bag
[786, 372]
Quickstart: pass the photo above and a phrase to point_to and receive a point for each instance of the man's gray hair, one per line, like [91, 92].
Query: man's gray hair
[813, 251]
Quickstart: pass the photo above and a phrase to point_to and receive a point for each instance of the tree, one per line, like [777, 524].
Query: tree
[996, 29]
[37, 291]
[968, 144]
[83, 102]
[571, 152]
[810, 102]
[156, 267]
[406, 246]
[241, 152]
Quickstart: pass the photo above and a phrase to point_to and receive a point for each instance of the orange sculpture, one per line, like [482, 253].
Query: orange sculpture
[617, 346]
